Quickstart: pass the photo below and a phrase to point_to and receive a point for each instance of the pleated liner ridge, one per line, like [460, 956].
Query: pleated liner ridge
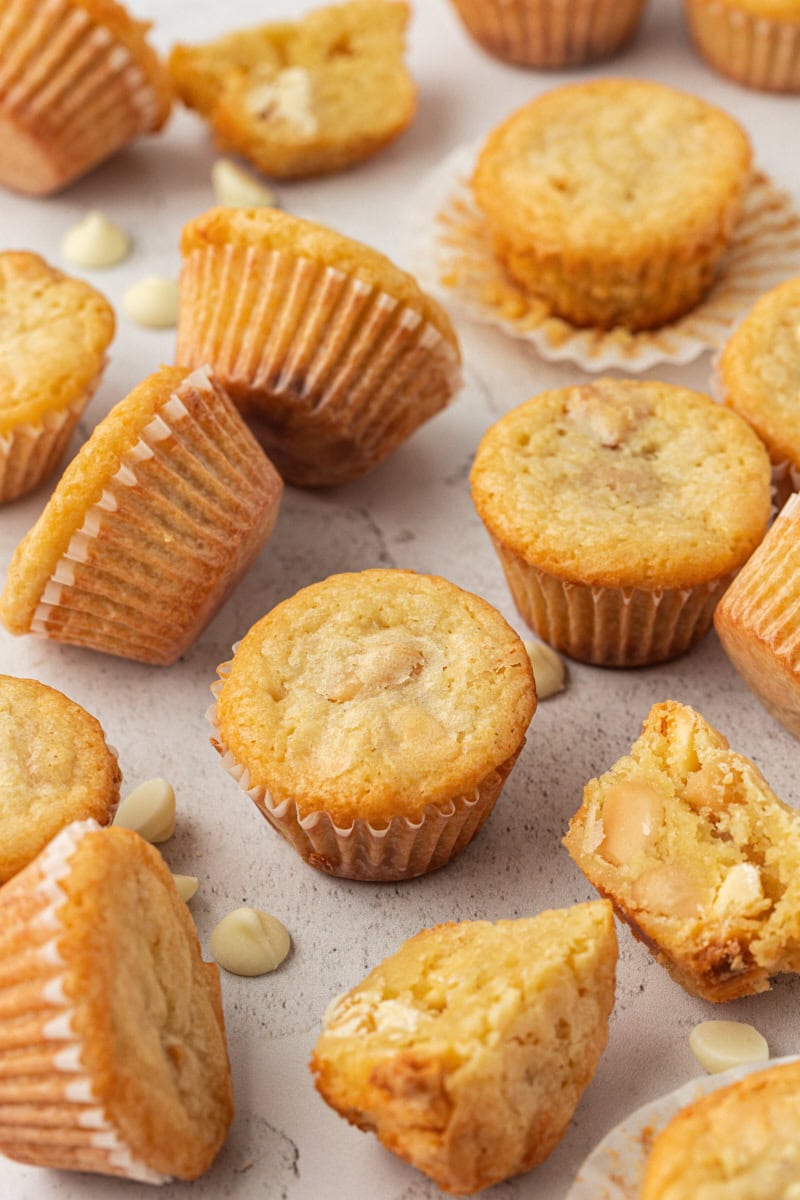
[333, 374]
[191, 505]
[550, 33]
[30, 453]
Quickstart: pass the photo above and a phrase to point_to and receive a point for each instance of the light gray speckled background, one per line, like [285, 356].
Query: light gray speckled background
[414, 512]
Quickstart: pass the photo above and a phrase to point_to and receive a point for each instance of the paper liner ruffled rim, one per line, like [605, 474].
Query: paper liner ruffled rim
[30, 452]
[452, 257]
[753, 49]
[50, 1018]
[550, 33]
[401, 849]
[615, 1167]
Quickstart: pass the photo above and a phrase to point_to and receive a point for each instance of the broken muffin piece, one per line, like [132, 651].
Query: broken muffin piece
[698, 855]
[467, 1050]
[304, 98]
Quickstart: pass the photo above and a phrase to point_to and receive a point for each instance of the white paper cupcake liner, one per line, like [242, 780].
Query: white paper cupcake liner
[31, 452]
[453, 258]
[755, 49]
[550, 33]
[49, 1113]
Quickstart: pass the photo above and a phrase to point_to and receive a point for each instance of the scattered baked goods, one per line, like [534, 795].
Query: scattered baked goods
[467, 1050]
[759, 617]
[759, 377]
[620, 511]
[112, 1032]
[55, 768]
[550, 33]
[614, 200]
[150, 526]
[754, 42]
[309, 97]
[697, 853]
[78, 81]
[54, 332]
[373, 718]
[333, 354]
[741, 1142]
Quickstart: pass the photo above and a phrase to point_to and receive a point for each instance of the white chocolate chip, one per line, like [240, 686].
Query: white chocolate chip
[250, 942]
[186, 886]
[149, 810]
[285, 98]
[718, 1045]
[152, 302]
[548, 669]
[739, 890]
[95, 242]
[236, 188]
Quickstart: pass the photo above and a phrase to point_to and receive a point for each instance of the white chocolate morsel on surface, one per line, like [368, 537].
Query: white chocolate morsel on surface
[548, 669]
[149, 810]
[250, 942]
[152, 302]
[236, 188]
[186, 886]
[719, 1045]
[95, 242]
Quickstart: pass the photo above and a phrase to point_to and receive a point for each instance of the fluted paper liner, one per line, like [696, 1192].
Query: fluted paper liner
[453, 259]
[48, 1111]
[550, 33]
[70, 94]
[191, 505]
[402, 849]
[30, 453]
[331, 373]
[609, 626]
[758, 620]
[756, 49]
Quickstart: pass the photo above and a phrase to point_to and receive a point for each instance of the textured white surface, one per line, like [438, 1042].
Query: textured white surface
[414, 511]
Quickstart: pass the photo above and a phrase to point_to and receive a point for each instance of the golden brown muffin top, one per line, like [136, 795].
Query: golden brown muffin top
[741, 1142]
[132, 34]
[611, 163]
[760, 371]
[54, 331]
[55, 767]
[624, 483]
[269, 229]
[374, 694]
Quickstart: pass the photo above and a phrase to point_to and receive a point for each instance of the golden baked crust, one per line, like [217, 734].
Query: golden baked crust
[759, 370]
[613, 200]
[375, 694]
[54, 331]
[740, 1142]
[305, 98]
[656, 486]
[467, 1050]
[55, 767]
[698, 855]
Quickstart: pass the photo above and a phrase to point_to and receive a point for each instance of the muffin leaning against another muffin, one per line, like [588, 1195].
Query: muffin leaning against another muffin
[150, 526]
[467, 1050]
[613, 201]
[754, 42]
[620, 511]
[78, 80]
[54, 332]
[373, 718]
[111, 1027]
[333, 354]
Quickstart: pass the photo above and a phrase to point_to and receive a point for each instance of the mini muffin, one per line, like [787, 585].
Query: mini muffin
[467, 1050]
[150, 526]
[754, 42]
[759, 374]
[334, 355]
[373, 718]
[620, 511]
[741, 1142]
[54, 332]
[55, 768]
[111, 1028]
[758, 619]
[550, 33]
[698, 854]
[613, 201]
[78, 80]
[305, 98]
